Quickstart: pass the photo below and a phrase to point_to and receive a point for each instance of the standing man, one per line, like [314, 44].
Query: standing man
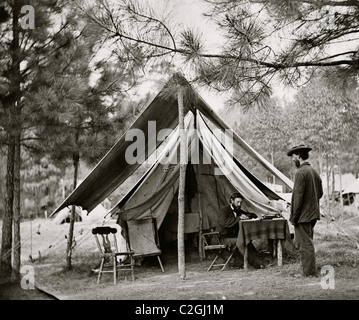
[307, 191]
[228, 226]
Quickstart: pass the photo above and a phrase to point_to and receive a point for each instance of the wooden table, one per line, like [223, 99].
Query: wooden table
[274, 229]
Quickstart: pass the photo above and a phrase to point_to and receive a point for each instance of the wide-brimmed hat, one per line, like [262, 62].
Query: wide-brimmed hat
[301, 147]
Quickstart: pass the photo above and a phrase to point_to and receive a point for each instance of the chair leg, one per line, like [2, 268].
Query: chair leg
[160, 262]
[213, 262]
[100, 271]
[132, 268]
[114, 270]
[229, 259]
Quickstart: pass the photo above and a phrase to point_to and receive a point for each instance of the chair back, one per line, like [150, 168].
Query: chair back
[211, 240]
[104, 232]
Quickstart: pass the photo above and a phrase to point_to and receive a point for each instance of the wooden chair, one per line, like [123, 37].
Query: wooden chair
[109, 254]
[142, 238]
[211, 242]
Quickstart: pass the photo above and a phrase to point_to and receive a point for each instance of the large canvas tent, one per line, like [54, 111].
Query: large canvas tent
[213, 173]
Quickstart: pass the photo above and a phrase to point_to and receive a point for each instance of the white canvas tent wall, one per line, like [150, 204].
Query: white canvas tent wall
[353, 192]
[97, 215]
[113, 169]
[63, 216]
[353, 188]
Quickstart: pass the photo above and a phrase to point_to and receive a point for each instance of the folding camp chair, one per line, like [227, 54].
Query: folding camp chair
[109, 254]
[212, 242]
[142, 238]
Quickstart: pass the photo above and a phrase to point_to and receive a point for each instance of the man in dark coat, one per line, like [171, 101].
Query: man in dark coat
[305, 208]
[228, 227]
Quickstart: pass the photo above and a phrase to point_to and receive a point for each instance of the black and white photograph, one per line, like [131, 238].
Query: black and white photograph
[179, 156]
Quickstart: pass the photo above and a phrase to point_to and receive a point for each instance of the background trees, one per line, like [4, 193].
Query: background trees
[282, 40]
[268, 131]
[20, 52]
[57, 97]
[325, 115]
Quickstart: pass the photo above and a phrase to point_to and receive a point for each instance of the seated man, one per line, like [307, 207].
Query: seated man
[228, 228]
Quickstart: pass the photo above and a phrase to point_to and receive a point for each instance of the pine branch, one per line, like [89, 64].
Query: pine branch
[347, 3]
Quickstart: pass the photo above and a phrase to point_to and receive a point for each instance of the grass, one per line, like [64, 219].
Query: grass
[333, 247]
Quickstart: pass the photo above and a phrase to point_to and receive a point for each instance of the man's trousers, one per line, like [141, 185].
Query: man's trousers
[304, 241]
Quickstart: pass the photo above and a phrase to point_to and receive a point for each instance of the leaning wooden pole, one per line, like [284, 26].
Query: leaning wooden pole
[71, 228]
[181, 188]
[76, 161]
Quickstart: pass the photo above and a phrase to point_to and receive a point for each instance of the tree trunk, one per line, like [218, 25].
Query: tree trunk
[333, 184]
[181, 188]
[76, 160]
[17, 213]
[6, 243]
[16, 129]
[340, 189]
[13, 129]
[37, 194]
[328, 187]
[320, 160]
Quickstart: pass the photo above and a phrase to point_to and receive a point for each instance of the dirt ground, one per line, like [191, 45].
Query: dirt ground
[278, 283]
[272, 283]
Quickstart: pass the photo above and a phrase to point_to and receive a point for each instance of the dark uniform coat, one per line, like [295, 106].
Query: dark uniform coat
[307, 191]
[228, 226]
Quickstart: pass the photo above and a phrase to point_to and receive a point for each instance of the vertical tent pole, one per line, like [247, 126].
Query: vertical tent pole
[200, 242]
[181, 187]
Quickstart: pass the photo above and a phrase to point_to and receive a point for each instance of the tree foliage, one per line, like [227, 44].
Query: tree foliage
[48, 101]
[40, 184]
[322, 115]
[326, 116]
[267, 131]
[266, 41]
[284, 40]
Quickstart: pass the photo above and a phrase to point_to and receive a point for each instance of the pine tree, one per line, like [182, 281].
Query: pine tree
[27, 32]
[38, 98]
[11, 102]
[77, 114]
